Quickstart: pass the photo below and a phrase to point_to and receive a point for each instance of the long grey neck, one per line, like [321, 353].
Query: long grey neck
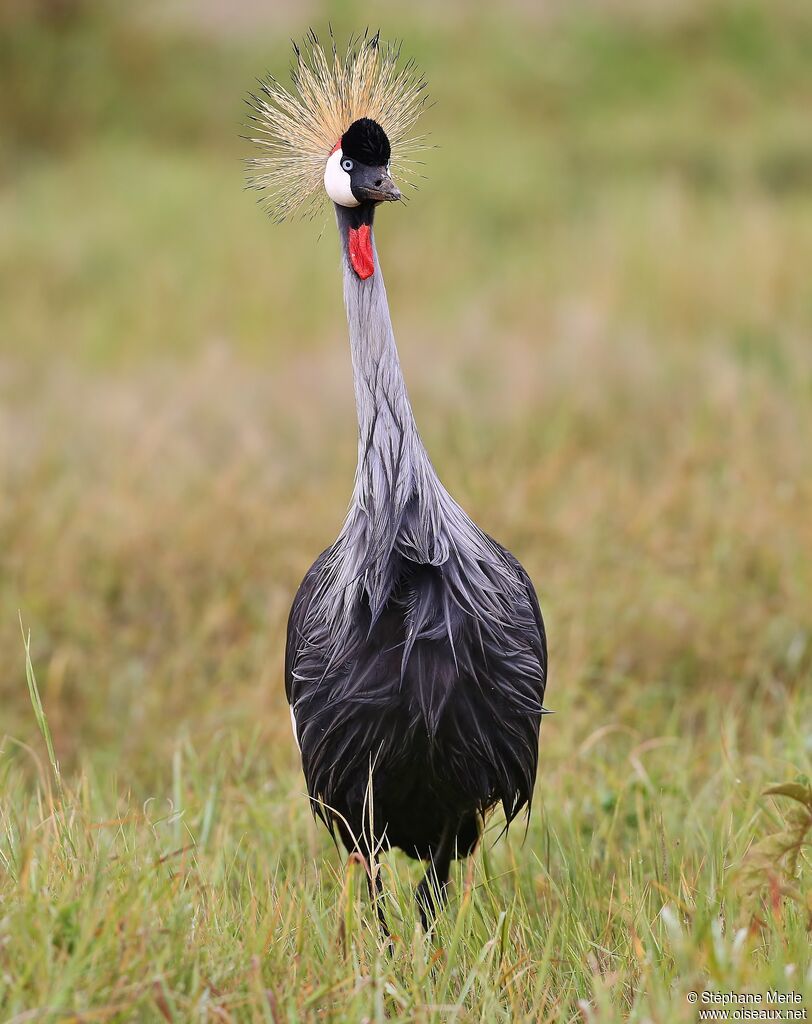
[391, 456]
[399, 508]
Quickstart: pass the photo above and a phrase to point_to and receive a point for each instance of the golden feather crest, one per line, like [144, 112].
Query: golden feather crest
[297, 128]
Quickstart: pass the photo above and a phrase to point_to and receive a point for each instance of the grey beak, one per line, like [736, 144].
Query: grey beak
[380, 188]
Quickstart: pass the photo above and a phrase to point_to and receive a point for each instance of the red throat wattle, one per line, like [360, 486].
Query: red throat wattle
[360, 246]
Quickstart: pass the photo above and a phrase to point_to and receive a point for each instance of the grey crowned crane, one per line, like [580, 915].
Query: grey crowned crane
[416, 656]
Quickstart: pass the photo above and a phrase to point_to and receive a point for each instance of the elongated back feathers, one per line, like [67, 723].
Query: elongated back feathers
[296, 129]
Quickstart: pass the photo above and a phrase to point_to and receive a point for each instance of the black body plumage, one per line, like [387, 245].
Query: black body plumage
[440, 709]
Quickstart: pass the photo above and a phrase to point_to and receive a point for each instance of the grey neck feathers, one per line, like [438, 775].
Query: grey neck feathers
[388, 441]
[398, 502]
[400, 512]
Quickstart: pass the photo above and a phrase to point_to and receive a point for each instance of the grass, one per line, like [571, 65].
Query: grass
[604, 311]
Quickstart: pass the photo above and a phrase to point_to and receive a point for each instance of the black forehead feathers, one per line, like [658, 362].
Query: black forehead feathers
[366, 142]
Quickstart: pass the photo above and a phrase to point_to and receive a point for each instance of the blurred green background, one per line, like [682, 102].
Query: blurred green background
[603, 301]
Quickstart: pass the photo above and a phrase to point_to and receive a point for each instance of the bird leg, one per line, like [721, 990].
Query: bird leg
[375, 887]
[376, 895]
[431, 893]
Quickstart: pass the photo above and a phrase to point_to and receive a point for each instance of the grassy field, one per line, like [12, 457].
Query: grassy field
[603, 301]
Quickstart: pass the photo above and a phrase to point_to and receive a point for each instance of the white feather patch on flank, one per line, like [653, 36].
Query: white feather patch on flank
[295, 730]
[337, 181]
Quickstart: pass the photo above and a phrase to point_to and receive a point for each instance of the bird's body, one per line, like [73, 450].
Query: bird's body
[416, 656]
[413, 755]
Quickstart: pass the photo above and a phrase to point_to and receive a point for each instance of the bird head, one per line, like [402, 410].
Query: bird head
[337, 132]
[357, 170]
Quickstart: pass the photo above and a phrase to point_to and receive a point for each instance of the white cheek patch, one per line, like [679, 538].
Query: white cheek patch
[337, 181]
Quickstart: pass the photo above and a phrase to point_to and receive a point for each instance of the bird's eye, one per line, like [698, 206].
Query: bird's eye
[347, 165]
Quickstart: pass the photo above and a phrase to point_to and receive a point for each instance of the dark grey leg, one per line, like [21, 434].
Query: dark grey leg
[431, 893]
[376, 895]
